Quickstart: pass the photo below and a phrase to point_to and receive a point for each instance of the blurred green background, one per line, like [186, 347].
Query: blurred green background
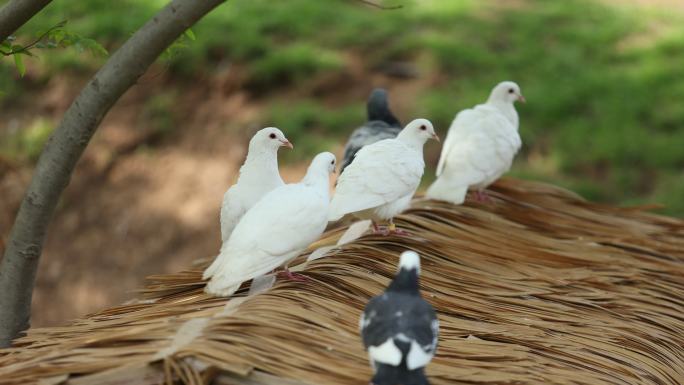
[604, 81]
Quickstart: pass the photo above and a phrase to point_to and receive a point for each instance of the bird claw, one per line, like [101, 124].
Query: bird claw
[389, 230]
[380, 230]
[294, 276]
[482, 196]
[395, 231]
[400, 232]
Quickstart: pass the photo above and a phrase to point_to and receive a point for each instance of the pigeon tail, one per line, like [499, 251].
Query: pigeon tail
[440, 190]
[211, 270]
[378, 108]
[214, 287]
[334, 216]
[393, 375]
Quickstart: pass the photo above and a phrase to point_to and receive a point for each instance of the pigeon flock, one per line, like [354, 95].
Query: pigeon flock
[266, 223]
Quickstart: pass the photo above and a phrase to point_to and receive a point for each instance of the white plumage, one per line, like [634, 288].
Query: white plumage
[258, 176]
[381, 180]
[480, 146]
[282, 224]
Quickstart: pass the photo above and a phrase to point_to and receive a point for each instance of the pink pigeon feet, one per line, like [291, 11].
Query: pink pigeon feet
[482, 196]
[389, 230]
[293, 276]
[400, 232]
[379, 230]
[394, 230]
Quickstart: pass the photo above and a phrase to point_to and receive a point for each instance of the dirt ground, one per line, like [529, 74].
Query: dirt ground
[139, 204]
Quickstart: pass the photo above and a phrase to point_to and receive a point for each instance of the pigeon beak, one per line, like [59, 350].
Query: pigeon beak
[435, 137]
[521, 99]
[286, 143]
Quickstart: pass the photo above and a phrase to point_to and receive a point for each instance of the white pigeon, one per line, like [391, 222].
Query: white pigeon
[479, 147]
[383, 177]
[258, 176]
[275, 230]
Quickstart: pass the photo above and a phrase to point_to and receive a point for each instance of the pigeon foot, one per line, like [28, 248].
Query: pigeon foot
[394, 230]
[379, 230]
[482, 196]
[294, 276]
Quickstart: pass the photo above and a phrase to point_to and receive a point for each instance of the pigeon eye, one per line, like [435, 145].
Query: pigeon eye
[422, 127]
[332, 161]
[272, 136]
[510, 90]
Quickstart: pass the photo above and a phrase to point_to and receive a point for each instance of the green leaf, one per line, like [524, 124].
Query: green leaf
[19, 62]
[190, 34]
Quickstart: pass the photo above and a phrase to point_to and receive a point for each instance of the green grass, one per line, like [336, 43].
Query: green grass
[312, 126]
[604, 83]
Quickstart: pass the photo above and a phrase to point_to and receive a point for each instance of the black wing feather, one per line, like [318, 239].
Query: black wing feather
[415, 322]
[367, 134]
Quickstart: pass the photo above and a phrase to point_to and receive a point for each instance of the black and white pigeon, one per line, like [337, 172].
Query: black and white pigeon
[381, 124]
[400, 329]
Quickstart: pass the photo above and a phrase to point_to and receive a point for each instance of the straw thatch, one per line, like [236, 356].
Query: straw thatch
[538, 287]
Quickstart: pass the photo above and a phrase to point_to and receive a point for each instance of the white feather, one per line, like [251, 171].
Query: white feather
[383, 177]
[258, 176]
[417, 357]
[409, 260]
[282, 224]
[387, 353]
[479, 147]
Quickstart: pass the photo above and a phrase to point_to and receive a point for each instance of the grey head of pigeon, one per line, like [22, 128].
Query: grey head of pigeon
[378, 109]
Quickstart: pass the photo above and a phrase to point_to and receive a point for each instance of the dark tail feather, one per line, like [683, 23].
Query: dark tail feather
[398, 375]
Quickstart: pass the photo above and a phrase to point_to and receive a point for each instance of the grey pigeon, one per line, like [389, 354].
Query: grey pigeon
[381, 124]
[400, 329]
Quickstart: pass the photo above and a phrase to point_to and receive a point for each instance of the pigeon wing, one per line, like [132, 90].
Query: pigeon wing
[391, 319]
[378, 327]
[480, 147]
[381, 173]
[423, 328]
[375, 326]
[232, 209]
[288, 218]
[369, 133]
[280, 225]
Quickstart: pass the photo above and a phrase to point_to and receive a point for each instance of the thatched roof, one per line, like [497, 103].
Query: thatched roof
[539, 287]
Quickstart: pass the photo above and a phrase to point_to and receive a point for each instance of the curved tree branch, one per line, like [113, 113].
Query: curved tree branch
[16, 13]
[64, 148]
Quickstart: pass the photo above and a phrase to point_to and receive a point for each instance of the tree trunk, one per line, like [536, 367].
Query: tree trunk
[16, 13]
[64, 148]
